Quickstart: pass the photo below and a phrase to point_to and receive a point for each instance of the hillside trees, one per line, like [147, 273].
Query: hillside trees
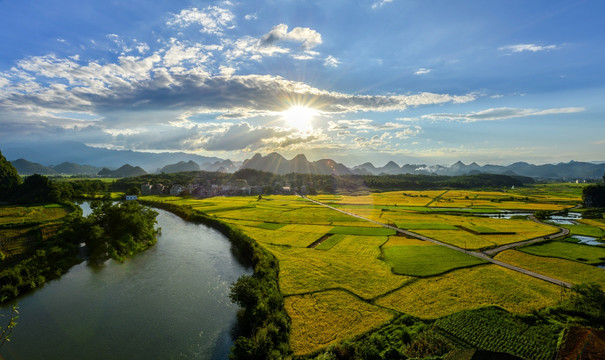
[9, 178]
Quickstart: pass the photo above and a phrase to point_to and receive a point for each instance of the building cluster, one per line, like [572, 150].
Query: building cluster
[236, 188]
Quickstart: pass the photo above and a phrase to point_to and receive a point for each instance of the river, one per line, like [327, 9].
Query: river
[169, 302]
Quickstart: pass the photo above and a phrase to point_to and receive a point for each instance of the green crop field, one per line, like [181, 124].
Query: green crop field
[496, 330]
[587, 254]
[423, 260]
[587, 230]
[329, 243]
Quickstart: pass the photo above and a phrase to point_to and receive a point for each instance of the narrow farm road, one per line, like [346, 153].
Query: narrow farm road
[562, 232]
[472, 253]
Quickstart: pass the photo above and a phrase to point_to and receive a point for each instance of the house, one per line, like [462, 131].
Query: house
[176, 190]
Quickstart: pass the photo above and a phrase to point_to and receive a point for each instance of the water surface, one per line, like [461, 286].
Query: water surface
[169, 302]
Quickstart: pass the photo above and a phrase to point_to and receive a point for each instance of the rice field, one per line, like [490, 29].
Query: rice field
[566, 270]
[322, 319]
[343, 276]
[471, 288]
[353, 264]
[419, 258]
[587, 254]
[31, 214]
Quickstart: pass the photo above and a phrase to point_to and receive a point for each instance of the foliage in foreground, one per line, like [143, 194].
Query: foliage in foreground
[263, 319]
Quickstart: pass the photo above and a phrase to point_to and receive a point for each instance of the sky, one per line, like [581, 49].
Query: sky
[420, 82]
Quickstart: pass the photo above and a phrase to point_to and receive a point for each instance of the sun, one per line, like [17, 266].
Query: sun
[299, 117]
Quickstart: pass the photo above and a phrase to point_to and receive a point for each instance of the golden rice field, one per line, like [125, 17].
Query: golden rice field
[348, 286]
[325, 318]
[352, 264]
[17, 214]
[566, 270]
[471, 288]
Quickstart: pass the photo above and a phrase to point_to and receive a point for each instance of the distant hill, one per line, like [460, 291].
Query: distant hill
[571, 170]
[124, 171]
[25, 167]
[71, 151]
[226, 166]
[277, 164]
[68, 168]
[181, 166]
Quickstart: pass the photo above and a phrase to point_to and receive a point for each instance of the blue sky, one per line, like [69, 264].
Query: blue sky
[429, 82]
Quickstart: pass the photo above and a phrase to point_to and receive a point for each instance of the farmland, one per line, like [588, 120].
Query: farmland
[561, 269]
[588, 254]
[343, 276]
[23, 226]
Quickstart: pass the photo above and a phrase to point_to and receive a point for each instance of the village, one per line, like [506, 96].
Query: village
[238, 187]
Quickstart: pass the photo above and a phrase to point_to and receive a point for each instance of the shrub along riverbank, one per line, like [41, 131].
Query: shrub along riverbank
[263, 319]
[112, 231]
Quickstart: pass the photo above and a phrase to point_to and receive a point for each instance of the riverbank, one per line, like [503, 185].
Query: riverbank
[264, 320]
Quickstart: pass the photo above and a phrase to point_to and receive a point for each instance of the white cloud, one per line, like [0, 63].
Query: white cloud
[374, 142]
[331, 61]
[380, 3]
[307, 38]
[408, 132]
[422, 71]
[252, 16]
[242, 136]
[501, 114]
[527, 47]
[213, 19]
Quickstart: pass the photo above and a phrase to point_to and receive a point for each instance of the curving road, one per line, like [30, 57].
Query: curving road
[476, 254]
[562, 232]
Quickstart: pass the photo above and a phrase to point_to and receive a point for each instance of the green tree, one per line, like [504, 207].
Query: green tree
[118, 231]
[133, 190]
[9, 177]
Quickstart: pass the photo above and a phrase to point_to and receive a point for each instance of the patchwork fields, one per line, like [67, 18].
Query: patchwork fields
[343, 276]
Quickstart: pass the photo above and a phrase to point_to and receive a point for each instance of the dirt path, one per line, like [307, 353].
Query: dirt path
[472, 253]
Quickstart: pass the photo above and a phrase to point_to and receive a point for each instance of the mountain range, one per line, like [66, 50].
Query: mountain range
[50, 153]
[277, 164]
[70, 156]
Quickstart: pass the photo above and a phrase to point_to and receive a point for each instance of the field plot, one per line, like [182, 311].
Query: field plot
[324, 318]
[419, 258]
[497, 200]
[15, 215]
[283, 238]
[566, 270]
[586, 229]
[352, 264]
[494, 329]
[391, 198]
[587, 254]
[471, 288]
